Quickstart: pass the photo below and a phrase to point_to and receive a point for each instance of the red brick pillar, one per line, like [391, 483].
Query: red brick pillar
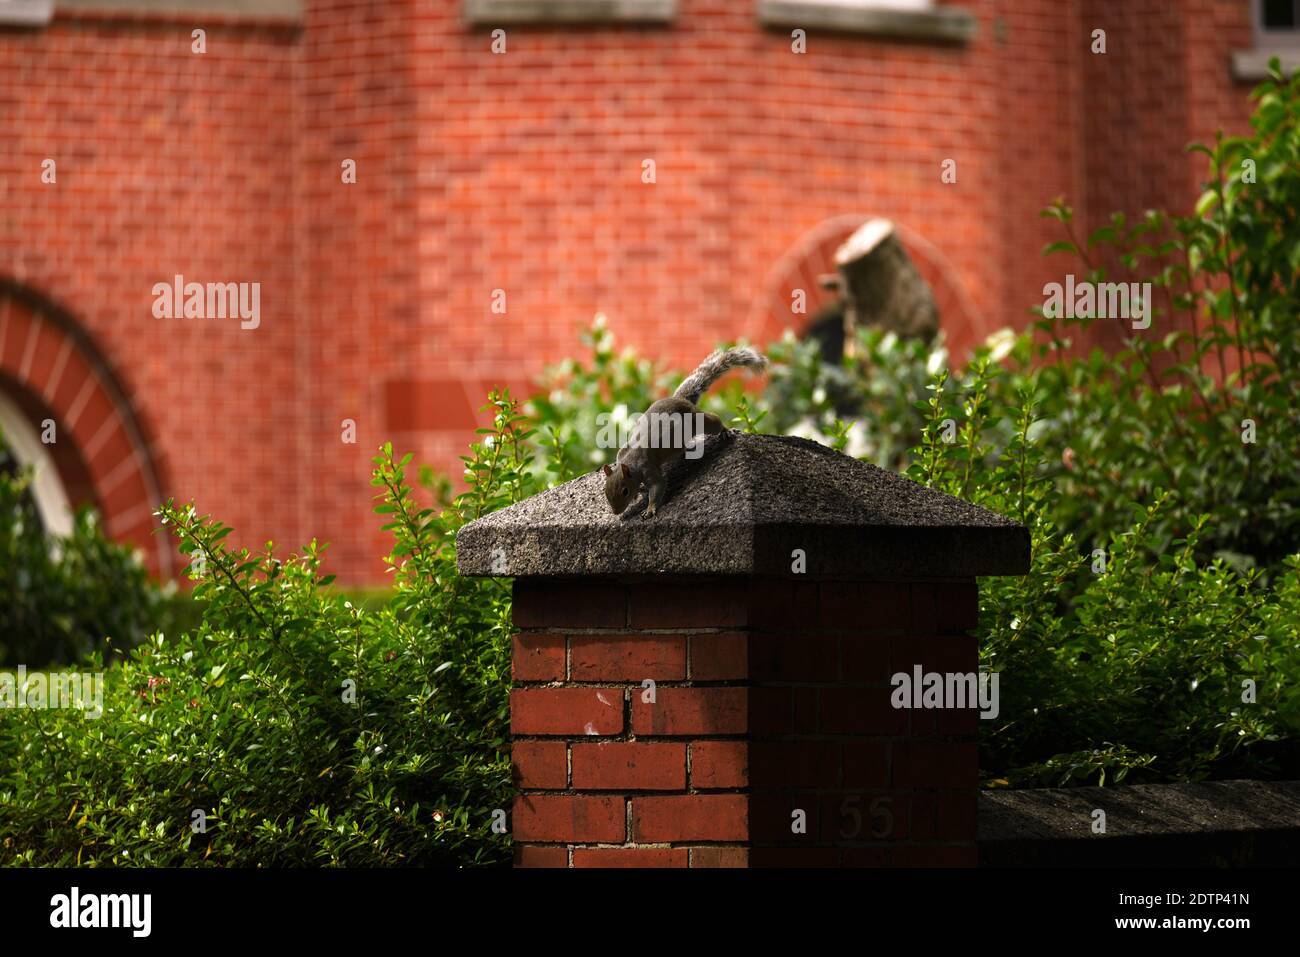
[768, 698]
[713, 687]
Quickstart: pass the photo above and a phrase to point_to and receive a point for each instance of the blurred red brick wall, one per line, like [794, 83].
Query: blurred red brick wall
[522, 172]
[167, 163]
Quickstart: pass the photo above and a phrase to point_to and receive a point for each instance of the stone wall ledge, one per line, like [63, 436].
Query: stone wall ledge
[1207, 824]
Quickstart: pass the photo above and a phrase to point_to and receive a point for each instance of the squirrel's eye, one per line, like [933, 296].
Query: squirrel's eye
[624, 489]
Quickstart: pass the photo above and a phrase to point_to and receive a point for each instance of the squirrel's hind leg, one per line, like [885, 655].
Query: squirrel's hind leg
[654, 493]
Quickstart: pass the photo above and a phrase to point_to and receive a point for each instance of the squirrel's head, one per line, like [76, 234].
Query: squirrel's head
[619, 487]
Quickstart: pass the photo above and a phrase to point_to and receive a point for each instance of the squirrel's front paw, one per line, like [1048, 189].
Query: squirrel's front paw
[649, 511]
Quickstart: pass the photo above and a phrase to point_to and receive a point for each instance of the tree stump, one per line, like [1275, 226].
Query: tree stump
[882, 287]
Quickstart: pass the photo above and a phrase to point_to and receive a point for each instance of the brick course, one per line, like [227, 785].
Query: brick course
[714, 761]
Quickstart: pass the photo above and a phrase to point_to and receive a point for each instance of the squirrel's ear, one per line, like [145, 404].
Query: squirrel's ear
[606, 469]
[625, 469]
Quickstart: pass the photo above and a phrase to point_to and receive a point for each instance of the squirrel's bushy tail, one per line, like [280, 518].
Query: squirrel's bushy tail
[715, 367]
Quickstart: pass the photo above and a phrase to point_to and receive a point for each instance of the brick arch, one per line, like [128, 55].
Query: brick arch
[104, 452]
[813, 255]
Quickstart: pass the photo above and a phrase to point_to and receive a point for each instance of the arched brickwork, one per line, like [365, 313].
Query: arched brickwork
[104, 452]
[813, 255]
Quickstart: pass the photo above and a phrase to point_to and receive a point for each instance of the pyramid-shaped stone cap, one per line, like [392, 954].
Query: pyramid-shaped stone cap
[741, 509]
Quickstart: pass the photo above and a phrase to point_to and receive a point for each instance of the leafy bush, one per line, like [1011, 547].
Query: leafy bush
[307, 730]
[1133, 637]
[1112, 662]
[61, 599]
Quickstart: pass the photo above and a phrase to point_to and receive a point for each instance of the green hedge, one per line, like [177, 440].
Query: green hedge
[62, 599]
[292, 727]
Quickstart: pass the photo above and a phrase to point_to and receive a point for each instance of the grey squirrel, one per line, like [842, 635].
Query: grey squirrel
[668, 429]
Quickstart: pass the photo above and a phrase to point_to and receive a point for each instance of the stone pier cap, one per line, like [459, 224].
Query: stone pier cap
[743, 507]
